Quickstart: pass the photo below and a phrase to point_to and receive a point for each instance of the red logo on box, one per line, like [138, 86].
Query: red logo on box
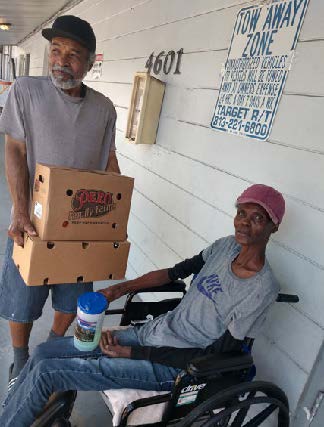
[91, 204]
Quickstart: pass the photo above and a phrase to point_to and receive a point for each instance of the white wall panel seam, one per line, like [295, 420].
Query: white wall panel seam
[149, 28]
[310, 95]
[174, 21]
[172, 216]
[83, 12]
[317, 208]
[304, 314]
[156, 235]
[278, 347]
[132, 267]
[143, 252]
[291, 250]
[177, 186]
[190, 88]
[196, 51]
[187, 52]
[253, 141]
[295, 147]
[315, 39]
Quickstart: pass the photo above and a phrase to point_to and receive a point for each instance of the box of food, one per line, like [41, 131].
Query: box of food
[51, 262]
[74, 204]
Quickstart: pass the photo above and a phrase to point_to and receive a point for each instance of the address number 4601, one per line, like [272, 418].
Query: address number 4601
[165, 62]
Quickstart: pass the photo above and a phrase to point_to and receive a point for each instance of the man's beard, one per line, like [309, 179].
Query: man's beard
[64, 84]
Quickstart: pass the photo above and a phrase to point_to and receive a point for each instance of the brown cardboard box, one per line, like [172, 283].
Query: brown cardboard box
[74, 204]
[41, 262]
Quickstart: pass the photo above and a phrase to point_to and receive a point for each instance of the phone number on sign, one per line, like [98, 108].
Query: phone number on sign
[236, 125]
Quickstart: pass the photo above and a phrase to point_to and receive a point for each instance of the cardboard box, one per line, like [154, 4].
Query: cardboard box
[74, 204]
[47, 263]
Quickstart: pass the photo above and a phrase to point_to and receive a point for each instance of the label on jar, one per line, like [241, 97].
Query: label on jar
[84, 330]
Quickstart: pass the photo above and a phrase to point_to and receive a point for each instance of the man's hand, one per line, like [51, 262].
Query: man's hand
[19, 225]
[17, 174]
[109, 346]
[113, 292]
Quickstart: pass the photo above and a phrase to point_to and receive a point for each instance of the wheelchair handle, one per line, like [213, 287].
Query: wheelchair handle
[287, 298]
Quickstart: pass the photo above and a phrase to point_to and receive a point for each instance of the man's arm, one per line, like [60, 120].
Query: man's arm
[18, 181]
[112, 164]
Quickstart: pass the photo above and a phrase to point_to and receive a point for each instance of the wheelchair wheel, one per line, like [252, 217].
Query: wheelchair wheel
[242, 405]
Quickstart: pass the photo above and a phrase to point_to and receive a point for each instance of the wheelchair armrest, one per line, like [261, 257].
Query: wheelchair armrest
[115, 311]
[176, 286]
[287, 298]
[214, 364]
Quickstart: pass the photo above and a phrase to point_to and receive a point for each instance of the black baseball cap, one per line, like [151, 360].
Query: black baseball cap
[72, 27]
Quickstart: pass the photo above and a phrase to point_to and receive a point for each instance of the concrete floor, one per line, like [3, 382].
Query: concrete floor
[89, 408]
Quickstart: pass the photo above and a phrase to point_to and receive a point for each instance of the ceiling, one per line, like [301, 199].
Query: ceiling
[27, 15]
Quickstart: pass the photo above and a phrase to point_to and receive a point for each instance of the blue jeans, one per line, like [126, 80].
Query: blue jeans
[58, 366]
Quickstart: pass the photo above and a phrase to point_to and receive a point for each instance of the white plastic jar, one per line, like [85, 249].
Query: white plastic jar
[90, 315]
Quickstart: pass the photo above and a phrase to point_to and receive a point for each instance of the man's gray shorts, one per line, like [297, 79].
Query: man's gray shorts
[21, 303]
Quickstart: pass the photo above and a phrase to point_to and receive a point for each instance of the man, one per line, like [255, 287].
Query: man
[232, 289]
[55, 120]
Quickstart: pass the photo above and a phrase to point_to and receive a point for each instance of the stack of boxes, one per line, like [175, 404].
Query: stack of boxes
[81, 220]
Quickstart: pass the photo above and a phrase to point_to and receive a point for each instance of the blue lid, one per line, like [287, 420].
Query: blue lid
[92, 302]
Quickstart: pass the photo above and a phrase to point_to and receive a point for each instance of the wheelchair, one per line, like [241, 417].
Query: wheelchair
[213, 391]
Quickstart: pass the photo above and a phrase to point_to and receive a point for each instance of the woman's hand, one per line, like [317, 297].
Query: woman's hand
[109, 346]
[113, 292]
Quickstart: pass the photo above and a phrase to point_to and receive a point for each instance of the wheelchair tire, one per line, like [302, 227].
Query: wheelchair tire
[232, 401]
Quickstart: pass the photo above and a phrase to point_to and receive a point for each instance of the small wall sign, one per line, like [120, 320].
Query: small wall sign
[257, 65]
[97, 67]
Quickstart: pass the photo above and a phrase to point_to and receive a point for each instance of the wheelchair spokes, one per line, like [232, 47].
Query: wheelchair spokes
[250, 411]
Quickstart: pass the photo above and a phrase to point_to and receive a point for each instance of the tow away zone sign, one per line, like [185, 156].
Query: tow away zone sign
[256, 69]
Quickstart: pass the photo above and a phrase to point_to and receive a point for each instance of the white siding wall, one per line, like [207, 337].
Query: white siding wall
[185, 185]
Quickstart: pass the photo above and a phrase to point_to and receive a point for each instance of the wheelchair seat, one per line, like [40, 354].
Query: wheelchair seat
[214, 390]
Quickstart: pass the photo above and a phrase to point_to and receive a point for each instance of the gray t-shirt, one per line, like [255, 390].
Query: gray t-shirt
[217, 300]
[59, 129]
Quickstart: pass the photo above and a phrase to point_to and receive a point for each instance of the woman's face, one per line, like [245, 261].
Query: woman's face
[252, 224]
